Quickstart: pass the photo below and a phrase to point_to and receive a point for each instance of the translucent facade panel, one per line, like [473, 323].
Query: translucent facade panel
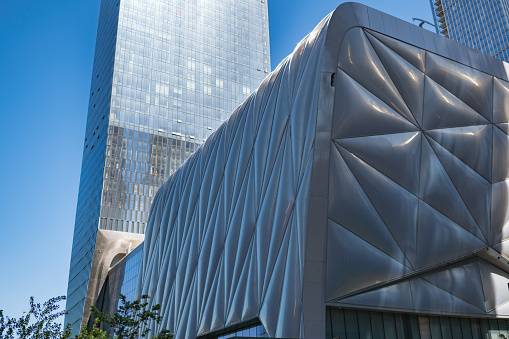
[367, 172]
[225, 231]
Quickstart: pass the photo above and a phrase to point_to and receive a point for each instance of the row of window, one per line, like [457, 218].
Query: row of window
[122, 225]
[132, 267]
[356, 324]
[478, 24]
[257, 331]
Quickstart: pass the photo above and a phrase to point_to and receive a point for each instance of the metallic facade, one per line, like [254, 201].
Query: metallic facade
[166, 74]
[483, 25]
[368, 171]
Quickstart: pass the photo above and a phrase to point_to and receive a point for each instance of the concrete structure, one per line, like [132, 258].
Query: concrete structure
[483, 25]
[121, 279]
[361, 191]
[166, 74]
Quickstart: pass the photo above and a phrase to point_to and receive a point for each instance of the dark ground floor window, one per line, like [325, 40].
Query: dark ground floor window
[362, 324]
[250, 332]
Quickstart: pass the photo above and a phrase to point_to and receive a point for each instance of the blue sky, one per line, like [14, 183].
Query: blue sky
[46, 54]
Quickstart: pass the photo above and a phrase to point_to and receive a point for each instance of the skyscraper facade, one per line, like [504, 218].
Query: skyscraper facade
[483, 25]
[166, 73]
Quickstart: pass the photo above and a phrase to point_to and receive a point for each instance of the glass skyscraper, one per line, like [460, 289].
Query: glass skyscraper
[166, 73]
[483, 25]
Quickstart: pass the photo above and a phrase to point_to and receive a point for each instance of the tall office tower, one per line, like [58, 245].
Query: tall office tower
[483, 25]
[166, 73]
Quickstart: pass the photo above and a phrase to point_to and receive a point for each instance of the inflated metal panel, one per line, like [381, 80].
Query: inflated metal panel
[367, 171]
[450, 172]
[226, 232]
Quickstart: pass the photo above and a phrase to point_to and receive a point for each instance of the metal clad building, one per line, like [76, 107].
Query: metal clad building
[360, 191]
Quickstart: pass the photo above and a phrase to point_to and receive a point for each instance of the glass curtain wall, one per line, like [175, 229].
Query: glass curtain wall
[166, 74]
[92, 167]
[483, 25]
[181, 68]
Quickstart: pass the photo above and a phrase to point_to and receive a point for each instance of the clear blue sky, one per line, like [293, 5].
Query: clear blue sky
[46, 54]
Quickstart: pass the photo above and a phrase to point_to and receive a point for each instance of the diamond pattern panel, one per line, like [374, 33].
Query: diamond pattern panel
[360, 108]
[438, 191]
[359, 60]
[439, 239]
[470, 86]
[419, 160]
[500, 101]
[469, 144]
[500, 155]
[406, 77]
[456, 289]
[409, 53]
[382, 151]
[500, 211]
[416, 170]
[473, 189]
[393, 203]
[349, 200]
[362, 270]
[225, 239]
[442, 109]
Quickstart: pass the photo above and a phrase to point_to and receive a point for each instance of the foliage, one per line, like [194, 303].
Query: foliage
[132, 318]
[95, 333]
[130, 321]
[39, 322]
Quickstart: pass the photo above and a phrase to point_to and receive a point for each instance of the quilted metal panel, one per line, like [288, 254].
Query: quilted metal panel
[472, 87]
[438, 191]
[442, 109]
[367, 267]
[462, 280]
[359, 60]
[500, 155]
[381, 151]
[411, 54]
[226, 237]
[365, 171]
[499, 211]
[500, 101]
[473, 189]
[472, 145]
[359, 108]
[407, 79]
[453, 177]
[440, 240]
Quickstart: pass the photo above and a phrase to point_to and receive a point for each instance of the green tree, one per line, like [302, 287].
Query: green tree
[132, 318]
[95, 333]
[39, 322]
[130, 321]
